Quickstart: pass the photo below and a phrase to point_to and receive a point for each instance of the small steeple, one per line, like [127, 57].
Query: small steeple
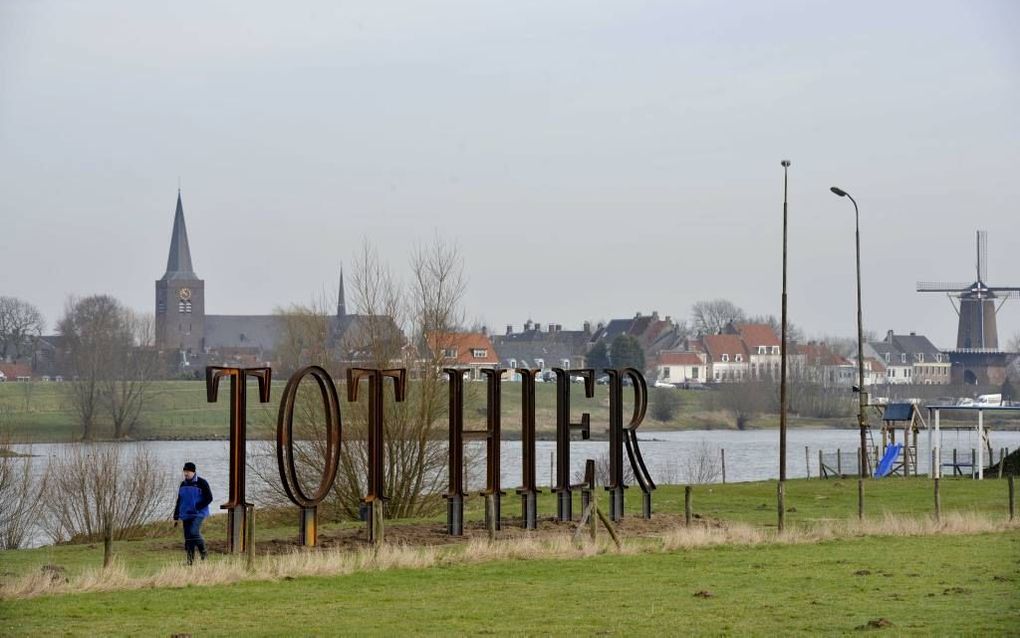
[341, 305]
[178, 262]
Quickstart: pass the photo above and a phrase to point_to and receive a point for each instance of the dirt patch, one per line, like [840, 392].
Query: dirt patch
[434, 534]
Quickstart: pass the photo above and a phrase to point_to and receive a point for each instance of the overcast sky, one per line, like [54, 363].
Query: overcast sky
[592, 159]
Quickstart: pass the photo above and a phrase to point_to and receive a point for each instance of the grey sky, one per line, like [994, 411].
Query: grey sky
[636, 144]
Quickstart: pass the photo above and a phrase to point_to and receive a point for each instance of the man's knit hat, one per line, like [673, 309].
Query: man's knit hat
[189, 467]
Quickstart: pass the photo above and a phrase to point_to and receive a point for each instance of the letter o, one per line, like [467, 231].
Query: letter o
[285, 436]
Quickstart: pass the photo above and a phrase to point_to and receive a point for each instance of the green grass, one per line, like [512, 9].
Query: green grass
[942, 585]
[753, 503]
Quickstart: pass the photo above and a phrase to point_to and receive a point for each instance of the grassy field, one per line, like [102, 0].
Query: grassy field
[949, 585]
[41, 412]
[922, 582]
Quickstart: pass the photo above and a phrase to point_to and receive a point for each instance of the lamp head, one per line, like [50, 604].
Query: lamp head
[785, 163]
[838, 191]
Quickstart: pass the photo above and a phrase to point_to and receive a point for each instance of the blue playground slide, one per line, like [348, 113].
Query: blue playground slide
[886, 464]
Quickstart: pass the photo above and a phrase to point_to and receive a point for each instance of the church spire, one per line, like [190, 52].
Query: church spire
[178, 262]
[341, 305]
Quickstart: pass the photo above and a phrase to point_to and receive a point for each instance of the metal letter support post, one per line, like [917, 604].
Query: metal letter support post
[236, 502]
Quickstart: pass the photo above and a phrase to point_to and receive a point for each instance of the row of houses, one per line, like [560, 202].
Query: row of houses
[741, 352]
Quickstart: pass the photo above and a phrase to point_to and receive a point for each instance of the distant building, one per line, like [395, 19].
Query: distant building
[197, 339]
[681, 367]
[728, 358]
[470, 350]
[910, 358]
[818, 363]
[534, 347]
[654, 334]
[763, 346]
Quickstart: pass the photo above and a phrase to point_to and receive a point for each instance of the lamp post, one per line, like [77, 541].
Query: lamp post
[862, 415]
[781, 494]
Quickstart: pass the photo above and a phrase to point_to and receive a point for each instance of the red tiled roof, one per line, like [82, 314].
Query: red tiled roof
[758, 334]
[464, 343]
[718, 345]
[680, 359]
[14, 370]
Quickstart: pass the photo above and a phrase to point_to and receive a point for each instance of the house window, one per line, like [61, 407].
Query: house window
[739, 357]
[761, 349]
[938, 358]
[775, 349]
[513, 364]
[479, 353]
[540, 363]
[694, 372]
[887, 357]
[919, 356]
[726, 357]
[450, 352]
[665, 372]
[717, 375]
[903, 357]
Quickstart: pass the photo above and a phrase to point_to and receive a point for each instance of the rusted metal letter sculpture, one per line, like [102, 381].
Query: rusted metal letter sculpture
[564, 495]
[285, 447]
[376, 457]
[528, 490]
[236, 519]
[493, 408]
[620, 436]
[457, 490]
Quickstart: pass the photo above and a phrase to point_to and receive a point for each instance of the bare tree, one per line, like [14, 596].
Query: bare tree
[743, 400]
[19, 494]
[374, 338]
[702, 465]
[21, 324]
[94, 331]
[710, 317]
[113, 361]
[127, 386]
[96, 491]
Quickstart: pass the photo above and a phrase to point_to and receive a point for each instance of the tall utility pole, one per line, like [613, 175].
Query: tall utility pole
[781, 493]
[862, 412]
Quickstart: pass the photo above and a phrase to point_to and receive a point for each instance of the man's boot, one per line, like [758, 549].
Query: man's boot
[189, 547]
[201, 550]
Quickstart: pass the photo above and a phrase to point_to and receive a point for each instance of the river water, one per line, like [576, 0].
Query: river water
[751, 455]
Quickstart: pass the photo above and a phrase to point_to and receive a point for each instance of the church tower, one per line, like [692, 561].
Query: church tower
[180, 296]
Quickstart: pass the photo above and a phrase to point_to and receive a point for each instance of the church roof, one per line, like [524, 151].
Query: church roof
[243, 331]
[178, 262]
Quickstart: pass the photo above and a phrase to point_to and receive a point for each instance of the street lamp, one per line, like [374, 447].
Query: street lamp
[862, 415]
[781, 489]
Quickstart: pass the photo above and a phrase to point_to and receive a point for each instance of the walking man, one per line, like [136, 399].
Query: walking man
[193, 498]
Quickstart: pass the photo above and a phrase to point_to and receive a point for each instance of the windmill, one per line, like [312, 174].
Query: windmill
[976, 304]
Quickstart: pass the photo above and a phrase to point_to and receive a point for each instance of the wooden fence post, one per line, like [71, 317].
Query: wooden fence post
[688, 512]
[249, 541]
[938, 502]
[807, 461]
[781, 504]
[860, 499]
[1012, 500]
[722, 454]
